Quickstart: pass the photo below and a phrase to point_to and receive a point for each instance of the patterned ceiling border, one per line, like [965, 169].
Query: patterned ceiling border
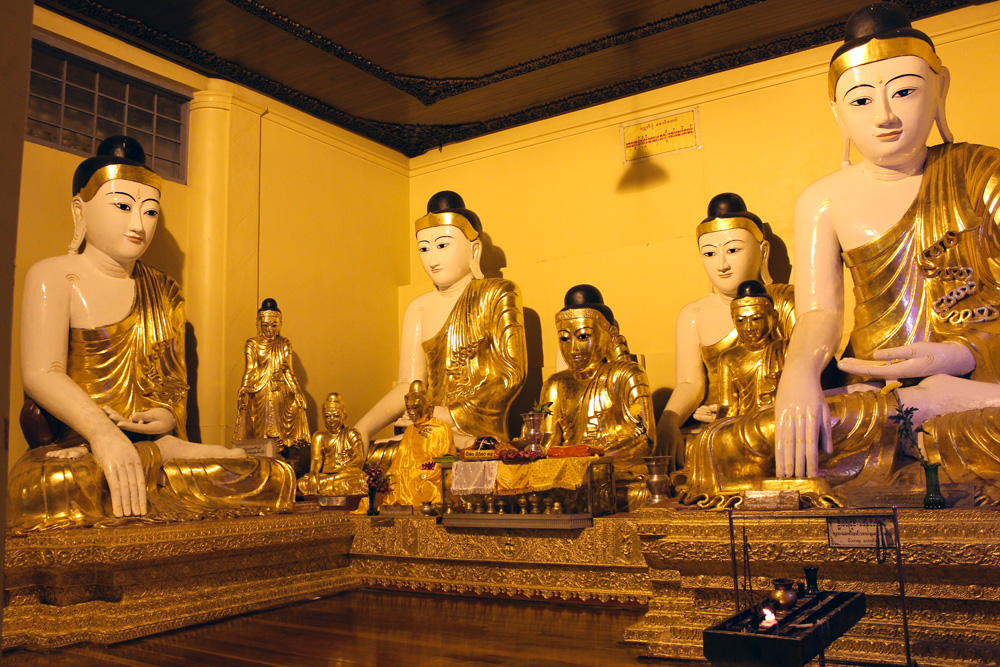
[413, 140]
[430, 89]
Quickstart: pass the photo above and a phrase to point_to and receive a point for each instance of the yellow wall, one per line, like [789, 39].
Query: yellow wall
[283, 205]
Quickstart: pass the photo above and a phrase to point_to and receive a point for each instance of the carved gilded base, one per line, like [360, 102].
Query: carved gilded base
[951, 563]
[106, 585]
[599, 564]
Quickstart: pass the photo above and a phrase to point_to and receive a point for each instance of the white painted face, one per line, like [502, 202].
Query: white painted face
[730, 256]
[121, 218]
[887, 108]
[445, 253]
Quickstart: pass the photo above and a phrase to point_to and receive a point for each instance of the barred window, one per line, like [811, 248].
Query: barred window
[75, 104]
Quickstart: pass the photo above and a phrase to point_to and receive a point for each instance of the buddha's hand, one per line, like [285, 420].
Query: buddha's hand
[707, 413]
[801, 423]
[122, 468]
[155, 421]
[913, 361]
[68, 452]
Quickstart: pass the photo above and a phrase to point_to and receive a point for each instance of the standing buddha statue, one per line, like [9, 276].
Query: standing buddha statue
[600, 399]
[464, 339]
[270, 402]
[337, 461]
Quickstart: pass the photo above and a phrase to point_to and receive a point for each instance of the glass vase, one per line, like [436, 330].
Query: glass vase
[933, 500]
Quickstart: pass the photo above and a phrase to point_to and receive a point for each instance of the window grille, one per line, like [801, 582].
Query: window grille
[74, 104]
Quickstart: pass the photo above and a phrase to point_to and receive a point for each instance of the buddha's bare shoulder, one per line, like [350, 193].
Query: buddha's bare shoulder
[691, 309]
[52, 271]
[822, 192]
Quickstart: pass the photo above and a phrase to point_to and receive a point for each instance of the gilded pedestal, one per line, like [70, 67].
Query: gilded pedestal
[106, 585]
[951, 562]
[601, 564]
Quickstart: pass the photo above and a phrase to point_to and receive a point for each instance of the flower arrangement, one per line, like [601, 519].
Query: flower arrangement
[377, 480]
[542, 408]
[903, 419]
[427, 465]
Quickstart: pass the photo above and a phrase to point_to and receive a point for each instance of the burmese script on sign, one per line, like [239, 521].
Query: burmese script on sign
[858, 532]
[660, 134]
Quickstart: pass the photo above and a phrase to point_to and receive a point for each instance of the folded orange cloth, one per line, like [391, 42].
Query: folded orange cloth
[564, 452]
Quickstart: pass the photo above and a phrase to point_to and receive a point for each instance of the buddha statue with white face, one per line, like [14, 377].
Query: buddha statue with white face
[102, 359]
[601, 399]
[337, 461]
[733, 250]
[917, 227]
[464, 339]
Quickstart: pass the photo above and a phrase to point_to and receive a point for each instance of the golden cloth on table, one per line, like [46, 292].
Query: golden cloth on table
[932, 277]
[477, 363]
[133, 365]
[518, 478]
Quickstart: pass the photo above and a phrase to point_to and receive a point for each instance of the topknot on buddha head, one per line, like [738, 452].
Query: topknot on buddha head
[448, 238]
[268, 319]
[117, 157]
[580, 299]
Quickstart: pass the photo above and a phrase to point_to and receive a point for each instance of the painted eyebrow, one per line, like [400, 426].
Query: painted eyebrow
[860, 85]
[114, 192]
[902, 75]
[444, 236]
[151, 199]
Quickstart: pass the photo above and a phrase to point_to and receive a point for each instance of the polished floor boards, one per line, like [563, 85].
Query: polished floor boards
[377, 629]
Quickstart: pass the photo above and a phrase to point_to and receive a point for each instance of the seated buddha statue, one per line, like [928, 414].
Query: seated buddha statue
[749, 371]
[733, 250]
[338, 458]
[102, 358]
[600, 399]
[413, 477]
[270, 403]
[464, 339]
[917, 227]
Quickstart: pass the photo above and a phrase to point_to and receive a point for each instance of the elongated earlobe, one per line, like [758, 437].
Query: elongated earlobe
[79, 226]
[845, 160]
[939, 118]
[765, 253]
[477, 251]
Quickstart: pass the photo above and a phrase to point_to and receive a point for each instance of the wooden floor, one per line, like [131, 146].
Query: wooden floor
[375, 628]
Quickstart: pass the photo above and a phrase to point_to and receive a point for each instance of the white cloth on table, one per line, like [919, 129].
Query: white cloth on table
[473, 477]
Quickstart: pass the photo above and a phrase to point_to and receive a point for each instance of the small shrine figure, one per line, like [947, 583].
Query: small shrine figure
[749, 372]
[602, 399]
[338, 456]
[415, 479]
[270, 403]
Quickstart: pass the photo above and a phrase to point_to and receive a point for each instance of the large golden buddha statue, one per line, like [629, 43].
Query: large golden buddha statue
[917, 227]
[600, 399]
[270, 402]
[102, 358]
[464, 339]
[338, 456]
[733, 249]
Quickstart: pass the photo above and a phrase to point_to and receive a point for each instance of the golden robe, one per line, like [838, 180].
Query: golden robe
[409, 483]
[613, 411]
[932, 277]
[748, 379]
[478, 361]
[337, 463]
[271, 408]
[134, 365]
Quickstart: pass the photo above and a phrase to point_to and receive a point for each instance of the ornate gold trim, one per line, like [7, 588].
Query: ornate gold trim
[126, 172]
[574, 313]
[446, 219]
[719, 224]
[881, 49]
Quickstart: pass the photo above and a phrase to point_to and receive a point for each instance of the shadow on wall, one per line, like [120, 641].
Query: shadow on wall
[778, 263]
[640, 175]
[299, 371]
[191, 359]
[163, 252]
[532, 388]
[493, 260]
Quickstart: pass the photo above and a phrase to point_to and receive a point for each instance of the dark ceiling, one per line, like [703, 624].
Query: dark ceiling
[417, 74]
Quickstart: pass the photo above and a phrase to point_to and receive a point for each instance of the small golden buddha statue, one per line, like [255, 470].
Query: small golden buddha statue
[338, 457]
[749, 372]
[464, 339]
[270, 402]
[102, 360]
[600, 400]
[414, 477]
